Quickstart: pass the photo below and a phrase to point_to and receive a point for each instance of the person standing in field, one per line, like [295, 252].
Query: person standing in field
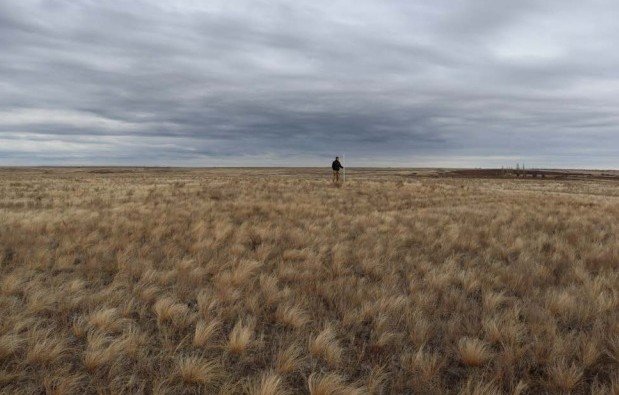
[336, 166]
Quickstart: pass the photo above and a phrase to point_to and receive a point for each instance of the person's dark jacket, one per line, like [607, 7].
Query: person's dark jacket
[336, 165]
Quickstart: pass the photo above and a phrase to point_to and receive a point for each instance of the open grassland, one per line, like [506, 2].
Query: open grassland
[274, 281]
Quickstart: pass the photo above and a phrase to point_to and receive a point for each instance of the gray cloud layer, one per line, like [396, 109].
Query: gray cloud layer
[443, 83]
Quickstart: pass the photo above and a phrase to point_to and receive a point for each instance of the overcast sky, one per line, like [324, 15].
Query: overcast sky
[388, 83]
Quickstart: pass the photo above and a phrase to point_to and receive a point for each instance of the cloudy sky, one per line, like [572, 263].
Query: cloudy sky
[388, 83]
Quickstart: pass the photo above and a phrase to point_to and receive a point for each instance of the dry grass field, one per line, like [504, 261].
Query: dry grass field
[273, 281]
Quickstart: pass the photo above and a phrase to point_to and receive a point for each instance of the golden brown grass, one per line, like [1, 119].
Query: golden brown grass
[275, 282]
[195, 370]
[473, 352]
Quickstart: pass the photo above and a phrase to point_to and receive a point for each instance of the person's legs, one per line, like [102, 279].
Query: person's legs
[336, 175]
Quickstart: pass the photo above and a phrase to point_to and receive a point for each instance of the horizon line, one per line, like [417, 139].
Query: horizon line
[293, 167]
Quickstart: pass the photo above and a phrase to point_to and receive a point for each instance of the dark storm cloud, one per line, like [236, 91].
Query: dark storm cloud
[469, 83]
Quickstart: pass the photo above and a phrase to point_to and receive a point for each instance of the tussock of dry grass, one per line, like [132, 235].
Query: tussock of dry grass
[325, 345]
[269, 384]
[291, 316]
[240, 338]
[424, 364]
[330, 384]
[9, 345]
[274, 282]
[289, 359]
[204, 333]
[473, 352]
[196, 370]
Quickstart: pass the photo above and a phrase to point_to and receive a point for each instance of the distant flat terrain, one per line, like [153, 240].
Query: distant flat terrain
[363, 172]
[274, 280]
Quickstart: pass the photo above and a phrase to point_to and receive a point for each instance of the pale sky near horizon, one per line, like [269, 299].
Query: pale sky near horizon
[465, 83]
